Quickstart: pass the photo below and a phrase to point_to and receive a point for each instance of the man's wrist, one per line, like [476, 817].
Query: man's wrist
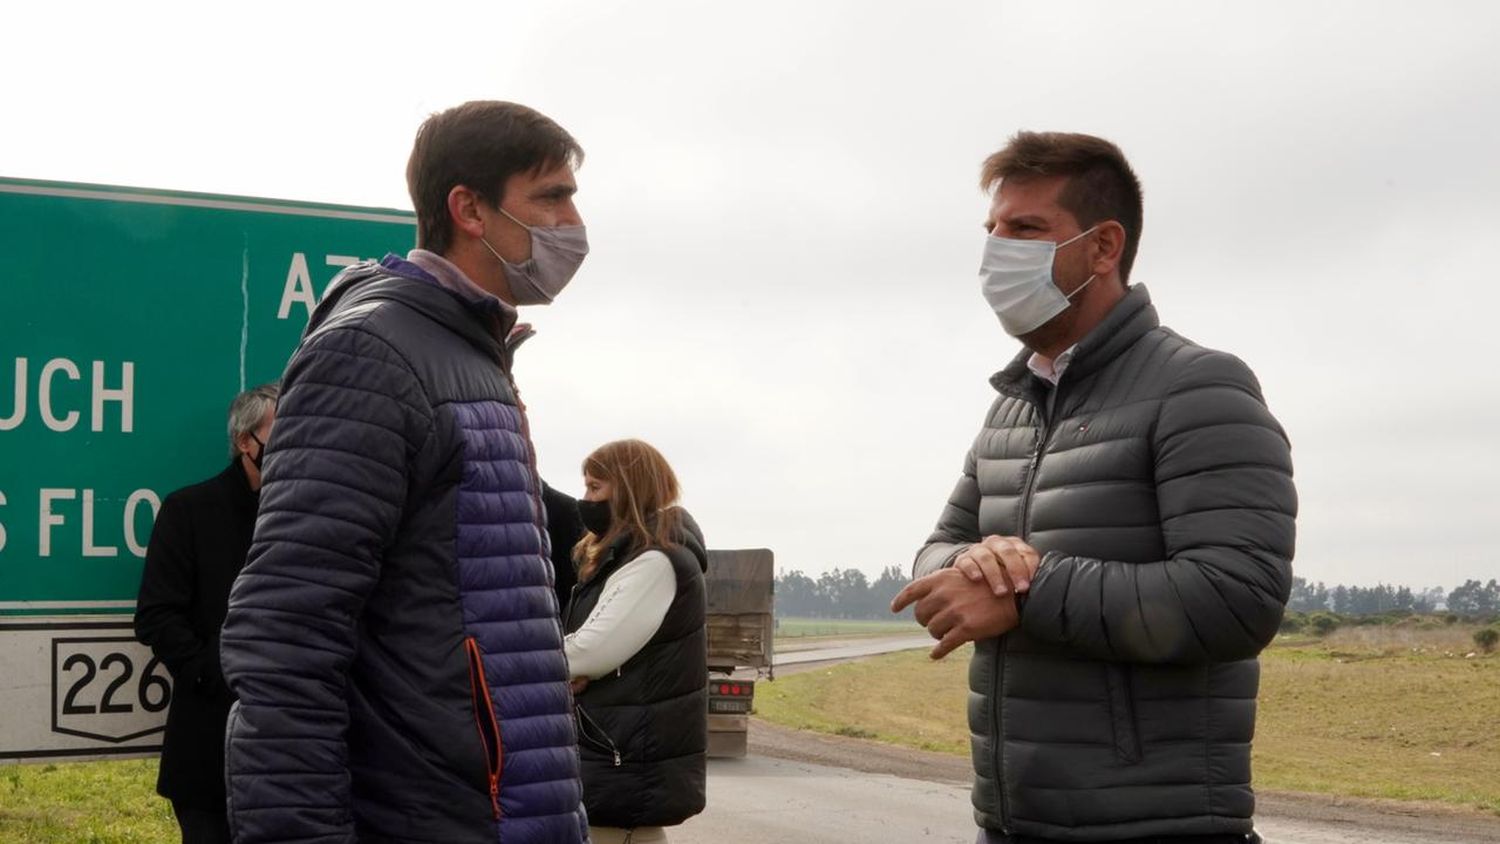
[957, 552]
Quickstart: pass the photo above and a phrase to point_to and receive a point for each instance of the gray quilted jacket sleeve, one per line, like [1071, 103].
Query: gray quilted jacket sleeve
[1227, 507]
[957, 527]
[350, 417]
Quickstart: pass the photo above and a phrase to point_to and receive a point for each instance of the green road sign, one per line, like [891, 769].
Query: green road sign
[128, 321]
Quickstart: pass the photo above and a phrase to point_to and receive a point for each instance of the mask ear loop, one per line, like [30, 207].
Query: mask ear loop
[1070, 296]
[1083, 233]
[1092, 276]
[260, 455]
[512, 218]
[486, 241]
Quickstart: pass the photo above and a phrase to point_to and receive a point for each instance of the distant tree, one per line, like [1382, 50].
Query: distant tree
[1431, 600]
[1341, 599]
[797, 595]
[1474, 599]
[892, 580]
[856, 591]
[846, 593]
[1307, 597]
[1405, 600]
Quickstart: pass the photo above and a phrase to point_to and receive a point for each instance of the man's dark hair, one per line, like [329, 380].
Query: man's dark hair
[479, 145]
[1101, 186]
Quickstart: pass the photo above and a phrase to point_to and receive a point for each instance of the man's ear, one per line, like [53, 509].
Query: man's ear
[1109, 248]
[463, 210]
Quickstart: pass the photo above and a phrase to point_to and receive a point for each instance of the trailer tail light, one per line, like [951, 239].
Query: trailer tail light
[730, 698]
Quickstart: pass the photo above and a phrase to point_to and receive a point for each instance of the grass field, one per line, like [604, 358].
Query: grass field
[1366, 712]
[798, 628]
[84, 803]
[1407, 716]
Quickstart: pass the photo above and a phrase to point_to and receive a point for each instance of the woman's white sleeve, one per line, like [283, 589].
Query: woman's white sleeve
[635, 600]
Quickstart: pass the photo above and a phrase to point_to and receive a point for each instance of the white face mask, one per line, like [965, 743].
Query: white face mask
[556, 254]
[1016, 279]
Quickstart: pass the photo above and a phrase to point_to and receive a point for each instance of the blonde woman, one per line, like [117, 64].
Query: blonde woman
[637, 648]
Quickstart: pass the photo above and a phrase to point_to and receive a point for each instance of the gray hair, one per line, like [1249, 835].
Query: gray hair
[248, 409]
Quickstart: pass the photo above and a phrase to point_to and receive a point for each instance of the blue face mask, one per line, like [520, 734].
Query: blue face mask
[1016, 279]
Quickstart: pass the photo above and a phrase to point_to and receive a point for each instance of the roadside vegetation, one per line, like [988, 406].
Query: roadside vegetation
[84, 803]
[1408, 709]
[804, 628]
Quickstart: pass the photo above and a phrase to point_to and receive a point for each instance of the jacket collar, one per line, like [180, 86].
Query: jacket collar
[1130, 319]
[483, 323]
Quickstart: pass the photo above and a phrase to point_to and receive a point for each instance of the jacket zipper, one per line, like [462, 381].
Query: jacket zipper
[536, 481]
[484, 719]
[1023, 529]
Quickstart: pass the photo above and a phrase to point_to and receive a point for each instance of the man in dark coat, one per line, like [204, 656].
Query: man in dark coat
[394, 638]
[1119, 544]
[197, 549]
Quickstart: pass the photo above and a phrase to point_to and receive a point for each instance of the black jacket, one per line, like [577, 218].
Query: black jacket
[564, 529]
[643, 730]
[1158, 488]
[197, 549]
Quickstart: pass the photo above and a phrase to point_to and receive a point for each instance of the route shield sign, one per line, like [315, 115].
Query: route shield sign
[128, 321]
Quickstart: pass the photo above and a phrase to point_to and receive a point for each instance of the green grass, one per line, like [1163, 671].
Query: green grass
[1415, 722]
[1408, 716]
[798, 628]
[902, 698]
[84, 803]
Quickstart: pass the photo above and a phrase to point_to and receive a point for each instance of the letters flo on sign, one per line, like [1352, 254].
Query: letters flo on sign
[131, 318]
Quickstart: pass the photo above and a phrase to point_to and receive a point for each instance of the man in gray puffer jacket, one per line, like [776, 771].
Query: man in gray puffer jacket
[1119, 545]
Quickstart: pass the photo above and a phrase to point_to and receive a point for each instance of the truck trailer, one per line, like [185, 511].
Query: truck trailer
[740, 585]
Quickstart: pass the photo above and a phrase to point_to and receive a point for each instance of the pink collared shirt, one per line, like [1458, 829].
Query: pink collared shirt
[452, 278]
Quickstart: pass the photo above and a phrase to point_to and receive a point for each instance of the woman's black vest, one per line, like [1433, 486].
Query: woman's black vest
[643, 729]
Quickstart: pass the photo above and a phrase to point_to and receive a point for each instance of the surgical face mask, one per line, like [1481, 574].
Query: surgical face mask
[595, 516]
[556, 254]
[1016, 279]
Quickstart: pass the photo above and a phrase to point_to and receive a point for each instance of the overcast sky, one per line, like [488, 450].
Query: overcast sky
[785, 224]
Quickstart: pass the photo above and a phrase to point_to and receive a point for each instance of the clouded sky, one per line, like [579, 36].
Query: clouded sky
[785, 224]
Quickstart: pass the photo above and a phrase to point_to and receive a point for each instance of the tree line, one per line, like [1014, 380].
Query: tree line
[850, 593]
[1473, 599]
[839, 593]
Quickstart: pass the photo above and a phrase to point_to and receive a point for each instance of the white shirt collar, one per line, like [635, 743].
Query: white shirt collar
[1050, 370]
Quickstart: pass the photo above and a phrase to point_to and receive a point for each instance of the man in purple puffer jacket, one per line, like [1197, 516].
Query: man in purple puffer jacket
[393, 639]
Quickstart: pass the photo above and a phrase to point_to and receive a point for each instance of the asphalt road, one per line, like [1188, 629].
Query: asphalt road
[765, 800]
[806, 788]
[843, 650]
